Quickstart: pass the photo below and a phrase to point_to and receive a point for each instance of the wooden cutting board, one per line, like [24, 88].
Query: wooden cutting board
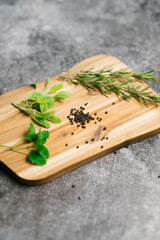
[126, 123]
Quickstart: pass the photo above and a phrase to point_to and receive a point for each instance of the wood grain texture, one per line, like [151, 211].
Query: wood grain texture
[126, 123]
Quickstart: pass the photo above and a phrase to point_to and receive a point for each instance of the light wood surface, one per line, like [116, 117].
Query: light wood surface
[126, 123]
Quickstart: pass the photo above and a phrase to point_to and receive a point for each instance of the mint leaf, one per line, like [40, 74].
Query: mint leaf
[45, 135]
[53, 119]
[39, 137]
[50, 104]
[43, 107]
[62, 95]
[51, 113]
[41, 121]
[47, 85]
[29, 104]
[56, 87]
[43, 151]
[34, 95]
[45, 99]
[36, 158]
[36, 106]
[31, 133]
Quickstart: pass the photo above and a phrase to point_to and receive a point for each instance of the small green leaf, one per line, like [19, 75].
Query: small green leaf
[34, 83]
[29, 104]
[43, 107]
[46, 86]
[36, 158]
[53, 119]
[41, 121]
[43, 151]
[56, 87]
[39, 137]
[62, 95]
[50, 104]
[45, 135]
[51, 113]
[45, 99]
[31, 133]
[34, 95]
[36, 106]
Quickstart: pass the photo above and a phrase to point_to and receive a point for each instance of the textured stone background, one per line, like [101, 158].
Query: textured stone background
[119, 193]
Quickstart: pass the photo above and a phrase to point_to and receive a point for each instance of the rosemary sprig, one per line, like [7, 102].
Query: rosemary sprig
[121, 82]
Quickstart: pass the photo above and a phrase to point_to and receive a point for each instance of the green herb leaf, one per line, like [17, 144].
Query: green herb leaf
[43, 107]
[41, 121]
[50, 104]
[36, 158]
[39, 137]
[36, 106]
[56, 87]
[29, 104]
[45, 99]
[45, 135]
[43, 151]
[62, 95]
[34, 95]
[46, 86]
[31, 133]
[34, 83]
[51, 113]
[53, 119]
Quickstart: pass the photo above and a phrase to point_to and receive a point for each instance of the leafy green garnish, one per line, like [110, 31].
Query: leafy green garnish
[31, 133]
[41, 121]
[56, 87]
[37, 104]
[36, 158]
[62, 95]
[40, 154]
[46, 86]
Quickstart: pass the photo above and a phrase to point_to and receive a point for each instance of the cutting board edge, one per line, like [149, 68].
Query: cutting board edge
[41, 181]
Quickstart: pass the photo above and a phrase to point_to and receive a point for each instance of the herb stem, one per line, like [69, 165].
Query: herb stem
[23, 147]
[21, 140]
[5, 146]
[19, 152]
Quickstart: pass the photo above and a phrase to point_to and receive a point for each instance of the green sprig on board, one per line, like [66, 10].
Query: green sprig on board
[37, 103]
[121, 82]
[40, 154]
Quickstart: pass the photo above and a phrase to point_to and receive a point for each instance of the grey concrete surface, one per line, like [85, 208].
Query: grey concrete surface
[119, 193]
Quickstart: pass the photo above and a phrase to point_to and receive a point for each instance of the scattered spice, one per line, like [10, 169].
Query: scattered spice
[86, 142]
[77, 147]
[80, 117]
[101, 146]
[104, 128]
[66, 144]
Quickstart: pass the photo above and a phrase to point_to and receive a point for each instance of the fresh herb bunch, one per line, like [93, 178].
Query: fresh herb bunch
[121, 82]
[37, 104]
[41, 153]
